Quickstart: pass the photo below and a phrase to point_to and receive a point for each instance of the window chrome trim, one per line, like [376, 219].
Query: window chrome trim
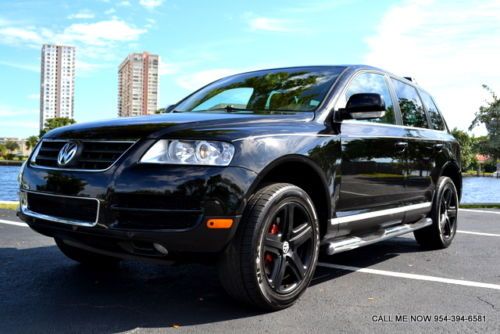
[33, 157]
[349, 121]
[23, 204]
[379, 213]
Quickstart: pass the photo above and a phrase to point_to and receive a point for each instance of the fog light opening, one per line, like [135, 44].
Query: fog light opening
[160, 248]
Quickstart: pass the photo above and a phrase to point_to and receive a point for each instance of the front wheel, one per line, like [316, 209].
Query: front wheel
[444, 216]
[272, 258]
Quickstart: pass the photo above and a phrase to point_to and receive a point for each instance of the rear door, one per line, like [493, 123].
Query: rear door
[422, 144]
[373, 158]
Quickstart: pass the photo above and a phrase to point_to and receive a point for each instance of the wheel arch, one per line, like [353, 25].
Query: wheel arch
[301, 172]
[452, 170]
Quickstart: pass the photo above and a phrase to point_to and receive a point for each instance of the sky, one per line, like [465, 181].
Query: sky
[450, 47]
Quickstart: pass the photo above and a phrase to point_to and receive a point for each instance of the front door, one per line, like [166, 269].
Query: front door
[373, 160]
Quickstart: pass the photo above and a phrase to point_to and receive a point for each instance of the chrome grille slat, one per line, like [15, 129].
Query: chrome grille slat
[95, 155]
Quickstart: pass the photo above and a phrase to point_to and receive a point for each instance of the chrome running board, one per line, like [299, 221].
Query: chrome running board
[349, 243]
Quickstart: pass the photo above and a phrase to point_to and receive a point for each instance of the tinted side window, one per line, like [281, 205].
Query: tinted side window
[412, 111]
[371, 83]
[437, 122]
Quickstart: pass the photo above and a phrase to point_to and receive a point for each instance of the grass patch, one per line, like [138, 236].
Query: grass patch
[8, 206]
[480, 206]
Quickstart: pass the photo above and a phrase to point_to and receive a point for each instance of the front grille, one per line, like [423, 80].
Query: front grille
[93, 155]
[72, 209]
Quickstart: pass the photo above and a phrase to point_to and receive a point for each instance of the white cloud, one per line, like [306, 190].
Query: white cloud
[27, 67]
[19, 36]
[150, 3]
[83, 14]
[100, 33]
[151, 23]
[317, 6]
[271, 24]
[83, 66]
[198, 79]
[124, 3]
[34, 96]
[168, 68]
[4, 22]
[8, 111]
[450, 47]
[97, 34]
[110, 11]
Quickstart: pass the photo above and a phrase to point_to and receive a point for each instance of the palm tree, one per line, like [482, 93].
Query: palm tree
[31, 142]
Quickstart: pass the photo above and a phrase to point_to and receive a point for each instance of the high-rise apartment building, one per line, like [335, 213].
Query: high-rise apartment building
[138, 85]
[57, 82]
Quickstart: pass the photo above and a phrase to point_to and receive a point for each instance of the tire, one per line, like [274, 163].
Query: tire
[85, 257]
[272, 257]
[444, 216]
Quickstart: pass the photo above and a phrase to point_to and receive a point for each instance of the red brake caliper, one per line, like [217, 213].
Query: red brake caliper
[274, 230]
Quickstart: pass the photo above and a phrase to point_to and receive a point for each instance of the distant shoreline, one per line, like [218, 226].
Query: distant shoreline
[10, 163]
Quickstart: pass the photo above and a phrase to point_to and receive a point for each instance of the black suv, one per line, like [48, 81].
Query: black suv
[258, 172]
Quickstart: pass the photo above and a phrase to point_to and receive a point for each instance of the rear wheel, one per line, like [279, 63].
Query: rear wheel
[272, 257]
[85, 257]
[444, 216]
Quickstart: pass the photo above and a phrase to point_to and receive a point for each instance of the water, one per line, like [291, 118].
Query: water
[8, 183]
[481, 190]
[476, 189]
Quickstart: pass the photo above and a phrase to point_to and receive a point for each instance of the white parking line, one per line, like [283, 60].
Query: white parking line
[479, 233]
[481, 211]
[411, 276]
[8, 222]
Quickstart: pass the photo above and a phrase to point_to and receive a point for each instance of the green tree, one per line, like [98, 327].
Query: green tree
[468, 149]
[11, 146]
[489, 115]
[161, 111]
[3, 150]
[31, 142]
[56, 122]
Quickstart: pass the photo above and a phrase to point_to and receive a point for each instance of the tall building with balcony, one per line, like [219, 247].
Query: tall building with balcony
[57, 84]
[138, 85]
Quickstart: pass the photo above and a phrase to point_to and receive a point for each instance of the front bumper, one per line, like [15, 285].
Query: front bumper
[138, 205]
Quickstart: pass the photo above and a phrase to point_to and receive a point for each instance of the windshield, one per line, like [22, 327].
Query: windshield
[270, 91]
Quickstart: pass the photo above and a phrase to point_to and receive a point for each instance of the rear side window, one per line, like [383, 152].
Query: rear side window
[437, 122]
[412, 110]
[371, 83]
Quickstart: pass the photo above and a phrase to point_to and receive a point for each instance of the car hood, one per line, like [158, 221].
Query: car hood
[156, 126]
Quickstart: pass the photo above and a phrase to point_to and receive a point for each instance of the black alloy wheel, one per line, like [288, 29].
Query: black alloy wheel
[287, 250]
[444, 215]
[448, 211]
[271, 259]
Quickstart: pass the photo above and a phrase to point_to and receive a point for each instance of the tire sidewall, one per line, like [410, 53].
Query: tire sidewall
[444, 183]
[287, 194]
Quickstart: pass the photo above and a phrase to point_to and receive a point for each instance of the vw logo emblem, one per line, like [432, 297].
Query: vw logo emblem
[286, 247]
[67, 153]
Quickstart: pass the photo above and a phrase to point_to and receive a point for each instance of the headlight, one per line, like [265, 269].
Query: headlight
[190, 152]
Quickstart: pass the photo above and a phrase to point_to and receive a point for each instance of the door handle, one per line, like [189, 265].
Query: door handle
[438, 147]
[401, 146]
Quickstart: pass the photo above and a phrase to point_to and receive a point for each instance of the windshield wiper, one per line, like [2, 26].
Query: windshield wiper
[229, 108]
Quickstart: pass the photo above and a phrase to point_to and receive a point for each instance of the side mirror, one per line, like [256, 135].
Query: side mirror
[364, 106]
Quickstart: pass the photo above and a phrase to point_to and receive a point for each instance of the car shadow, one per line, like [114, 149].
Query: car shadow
[42, 291]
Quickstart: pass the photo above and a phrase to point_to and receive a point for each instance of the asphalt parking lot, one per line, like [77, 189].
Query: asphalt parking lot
[392, 286]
